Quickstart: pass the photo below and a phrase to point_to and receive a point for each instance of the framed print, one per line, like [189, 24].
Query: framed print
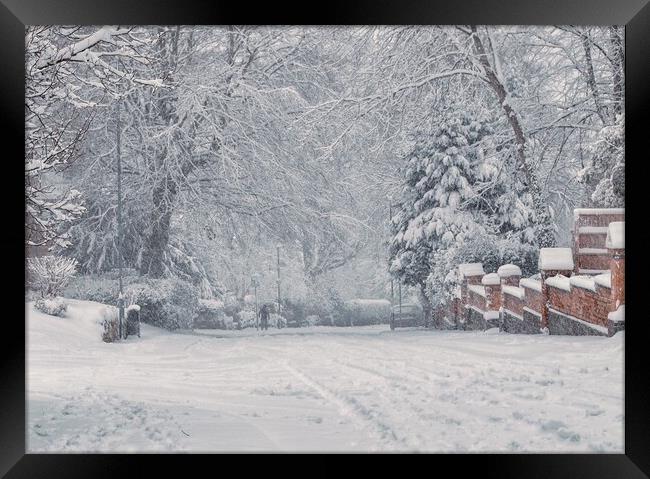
[401, 229]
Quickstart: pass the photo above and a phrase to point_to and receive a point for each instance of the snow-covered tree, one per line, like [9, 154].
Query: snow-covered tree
[435, 208]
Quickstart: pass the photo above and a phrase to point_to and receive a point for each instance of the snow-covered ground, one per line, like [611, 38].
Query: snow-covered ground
[318, 389]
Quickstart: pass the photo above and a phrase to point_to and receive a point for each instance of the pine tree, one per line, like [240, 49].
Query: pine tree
[435, 205]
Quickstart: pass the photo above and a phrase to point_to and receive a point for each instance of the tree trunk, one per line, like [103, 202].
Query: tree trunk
[164, 195]
[426, 305]
[591, 78]
[544, 228]
[618, 67]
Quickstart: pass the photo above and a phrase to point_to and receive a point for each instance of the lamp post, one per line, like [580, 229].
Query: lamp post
[255, 282]
[120, 301]
[392, 294]
[278, 254]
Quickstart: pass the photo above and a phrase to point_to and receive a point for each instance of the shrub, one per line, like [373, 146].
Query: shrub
[132, 320]
[168, 303]
[210, 315]
[52, 306]
[231, 304]
[363, 312]
[228, 323]
[102, 288]
[312, 320]
[110, 323]
[50, 274]
[277, 321]
[245, 319]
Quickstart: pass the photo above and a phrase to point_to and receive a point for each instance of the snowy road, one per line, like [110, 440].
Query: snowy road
[319, 389]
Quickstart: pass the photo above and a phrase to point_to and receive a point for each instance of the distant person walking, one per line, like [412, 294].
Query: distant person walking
[264, 317]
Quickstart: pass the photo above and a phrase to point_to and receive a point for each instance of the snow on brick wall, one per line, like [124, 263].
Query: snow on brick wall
[475, 298]
[596, 216]
[581, 302]
[555, 259]
[514, 303]
[590, 234]
[591, 262]
[616, 235]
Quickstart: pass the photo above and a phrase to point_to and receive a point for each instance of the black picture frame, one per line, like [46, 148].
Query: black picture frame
[634, 14]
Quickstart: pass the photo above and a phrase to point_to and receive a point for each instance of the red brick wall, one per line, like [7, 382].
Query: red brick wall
[593, 261]
[597, 220]
[493, 298]
[475, 300]
[592, 240]
[513, 303]
[533, 300]
[581, 303]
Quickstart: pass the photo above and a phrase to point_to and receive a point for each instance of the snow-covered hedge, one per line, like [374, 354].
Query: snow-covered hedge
[99, 288]
[210, 315]
[52, 306]
[169, 303]
[49, 275]
[245, 319]
[312, 320]
[277, 321]
[363, 312]
[110, 322]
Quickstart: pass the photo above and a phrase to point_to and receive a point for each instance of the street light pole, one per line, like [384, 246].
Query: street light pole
[120, 301]
[392, 293]
[278, 252]
[255, 281]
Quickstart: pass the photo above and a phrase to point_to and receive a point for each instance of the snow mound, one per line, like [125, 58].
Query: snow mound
[508, 270]
[596, 212]
[480, 290]
[559, 281]
[531, 283]
[491, 279]
[514, 291]
[604, 279]
[616, 235]
[584, 282]
[471, 269]
[618, 315]
[555, 259]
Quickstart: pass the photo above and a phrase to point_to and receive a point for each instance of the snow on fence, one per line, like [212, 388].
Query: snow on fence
[590, 227]
[558, 300]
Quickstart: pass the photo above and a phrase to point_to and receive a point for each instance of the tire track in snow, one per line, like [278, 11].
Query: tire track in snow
[351, 408]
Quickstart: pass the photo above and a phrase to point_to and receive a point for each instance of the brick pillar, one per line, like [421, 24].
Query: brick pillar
[548, 273]
[492, 284]
[617, 267]
[544, 311]
[509, 275]
[463, 292]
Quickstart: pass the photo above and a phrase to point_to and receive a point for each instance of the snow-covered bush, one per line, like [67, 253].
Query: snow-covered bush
[363, 312]
[231, 304]
[50, 274]
[169, 303]
[245, 319]
[228, 322]
[312, 320]
[110, 323]
[277, 321]
[210, 315]
[249, 302]
[102, 288]
[54, 306]
[295, 312]
[489, 250]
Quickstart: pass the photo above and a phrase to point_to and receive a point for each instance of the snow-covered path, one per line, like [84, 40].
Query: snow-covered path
[319, 389]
